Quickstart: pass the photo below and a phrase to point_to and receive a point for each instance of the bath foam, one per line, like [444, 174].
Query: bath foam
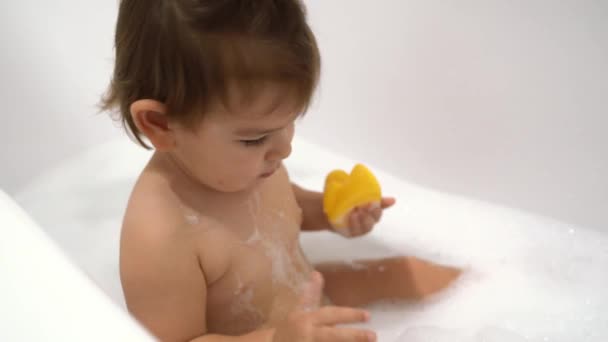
[434, 334]
[526, 277]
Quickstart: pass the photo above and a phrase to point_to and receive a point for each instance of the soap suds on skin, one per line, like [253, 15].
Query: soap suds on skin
[193, 220]
[254, 238]
[191, 217]
[283, 265]
[284, 270]
[253, 206]
[242, 307]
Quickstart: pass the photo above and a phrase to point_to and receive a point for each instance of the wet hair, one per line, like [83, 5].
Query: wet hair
[190, 54]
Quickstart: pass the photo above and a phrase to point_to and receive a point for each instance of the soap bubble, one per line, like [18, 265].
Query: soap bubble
[429, 334]
[493, 334]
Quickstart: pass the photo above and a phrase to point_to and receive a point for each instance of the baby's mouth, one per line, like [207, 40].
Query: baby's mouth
[268, 174]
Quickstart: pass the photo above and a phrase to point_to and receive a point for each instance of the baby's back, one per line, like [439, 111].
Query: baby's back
[196, 262]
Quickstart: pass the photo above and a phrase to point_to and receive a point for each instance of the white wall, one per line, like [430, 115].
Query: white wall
[55, 63]
[496, 99]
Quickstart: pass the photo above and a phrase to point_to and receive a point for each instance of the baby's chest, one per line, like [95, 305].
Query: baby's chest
[265, 273]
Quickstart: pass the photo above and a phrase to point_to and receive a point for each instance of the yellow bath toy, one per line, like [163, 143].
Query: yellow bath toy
[344, 192]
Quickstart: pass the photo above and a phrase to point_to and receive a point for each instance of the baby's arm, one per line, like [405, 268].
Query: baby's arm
[164, 287]
[360, 221]
[265, 335]
[311, 203]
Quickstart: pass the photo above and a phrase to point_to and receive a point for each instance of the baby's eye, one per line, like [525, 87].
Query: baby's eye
[255, 142]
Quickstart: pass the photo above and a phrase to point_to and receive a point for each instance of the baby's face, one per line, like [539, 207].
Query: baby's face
[232, 152]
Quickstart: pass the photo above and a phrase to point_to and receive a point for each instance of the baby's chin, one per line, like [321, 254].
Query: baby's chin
[241, 183]
[240, 186]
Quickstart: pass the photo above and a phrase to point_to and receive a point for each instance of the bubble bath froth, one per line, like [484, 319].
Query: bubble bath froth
[522, 282]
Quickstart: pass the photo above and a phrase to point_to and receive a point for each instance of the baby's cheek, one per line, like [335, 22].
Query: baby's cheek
[250, 159]
[232, 179]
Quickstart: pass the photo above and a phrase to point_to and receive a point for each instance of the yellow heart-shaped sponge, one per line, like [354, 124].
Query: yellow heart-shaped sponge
[344, 192]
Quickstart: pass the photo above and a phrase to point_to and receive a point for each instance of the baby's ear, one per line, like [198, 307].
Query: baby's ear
[150, 118]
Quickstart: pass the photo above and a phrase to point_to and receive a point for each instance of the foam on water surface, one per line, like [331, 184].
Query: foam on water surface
[525, 278]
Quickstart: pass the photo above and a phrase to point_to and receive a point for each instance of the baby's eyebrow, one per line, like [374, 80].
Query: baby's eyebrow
[255, 131]
[252, 131]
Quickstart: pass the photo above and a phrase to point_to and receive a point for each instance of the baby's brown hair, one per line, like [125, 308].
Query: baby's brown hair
[187, 54]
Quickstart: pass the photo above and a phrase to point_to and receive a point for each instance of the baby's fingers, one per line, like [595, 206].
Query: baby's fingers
[332, 315]
[368, 221]
[376, 213]
[344, 335]
[387, 202]
[354, 220]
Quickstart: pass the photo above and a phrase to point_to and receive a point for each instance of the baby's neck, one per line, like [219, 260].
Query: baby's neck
[190, 191]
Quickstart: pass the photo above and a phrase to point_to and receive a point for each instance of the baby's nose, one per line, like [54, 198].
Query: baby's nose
[285, 150]
[279, 151]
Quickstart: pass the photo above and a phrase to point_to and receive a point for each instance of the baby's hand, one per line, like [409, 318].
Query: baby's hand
[362, 219]
[309, 323]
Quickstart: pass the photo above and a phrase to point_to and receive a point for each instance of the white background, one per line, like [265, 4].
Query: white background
[499, 100]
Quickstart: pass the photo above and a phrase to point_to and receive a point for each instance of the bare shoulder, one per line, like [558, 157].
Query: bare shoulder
[163, 277]
[156, 220]
[152, 214]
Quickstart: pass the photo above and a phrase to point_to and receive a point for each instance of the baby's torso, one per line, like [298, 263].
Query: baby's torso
[253, 260]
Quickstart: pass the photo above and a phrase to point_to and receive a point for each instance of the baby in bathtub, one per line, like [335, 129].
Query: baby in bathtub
[209, 246]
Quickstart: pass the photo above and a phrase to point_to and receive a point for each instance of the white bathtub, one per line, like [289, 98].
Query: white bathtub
[511, 115]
